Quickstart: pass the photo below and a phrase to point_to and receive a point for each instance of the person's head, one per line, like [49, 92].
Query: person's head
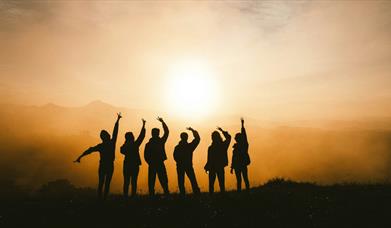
[184, 136]
[216, 136]
[155, 132]
[105, 136]
[238, 137]
[129, 137]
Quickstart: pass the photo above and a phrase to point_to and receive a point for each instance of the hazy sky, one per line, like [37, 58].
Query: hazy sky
[268, 58]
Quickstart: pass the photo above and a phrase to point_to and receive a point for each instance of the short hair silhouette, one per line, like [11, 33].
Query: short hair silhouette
[184, 136]
[155, 132]
[216, 137]
[104, 135]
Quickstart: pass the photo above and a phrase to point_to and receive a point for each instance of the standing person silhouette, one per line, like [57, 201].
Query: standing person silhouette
[155, 155]
[241, 158]
[217, 159]
[106, 150]
[132, 160]
[183, 155]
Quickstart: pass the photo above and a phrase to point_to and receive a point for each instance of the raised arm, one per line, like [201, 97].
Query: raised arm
[115, 130]
[243, 131]
[165, 129]
[227, 136]
[196, 139]
[141, 136]
[87, 152]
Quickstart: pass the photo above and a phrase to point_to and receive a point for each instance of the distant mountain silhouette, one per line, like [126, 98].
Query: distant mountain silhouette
[39, 142]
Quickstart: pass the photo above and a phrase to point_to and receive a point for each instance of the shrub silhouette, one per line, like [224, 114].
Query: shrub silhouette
[60, 188]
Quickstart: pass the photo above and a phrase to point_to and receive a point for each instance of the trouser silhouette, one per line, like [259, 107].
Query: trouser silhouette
[105, 174]
[239, 172]
[130, 177]
[189, 171]
[221, 178]
[160, 171]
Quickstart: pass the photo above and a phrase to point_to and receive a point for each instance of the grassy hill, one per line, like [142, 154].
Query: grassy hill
[278, 203]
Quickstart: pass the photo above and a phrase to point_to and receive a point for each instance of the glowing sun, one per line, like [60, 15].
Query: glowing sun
[192, 90]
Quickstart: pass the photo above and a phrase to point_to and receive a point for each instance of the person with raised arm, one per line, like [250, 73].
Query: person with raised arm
[155, 155]
[183, 155]
[106, 151]
[241, 158]
[130, 149]
[217, 159]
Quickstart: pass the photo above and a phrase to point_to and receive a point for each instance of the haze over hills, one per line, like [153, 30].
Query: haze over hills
[39, 143]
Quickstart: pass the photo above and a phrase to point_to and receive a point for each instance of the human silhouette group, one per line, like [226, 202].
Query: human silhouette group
[155, 156]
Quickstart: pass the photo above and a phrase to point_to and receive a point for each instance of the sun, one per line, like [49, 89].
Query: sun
[192, 90]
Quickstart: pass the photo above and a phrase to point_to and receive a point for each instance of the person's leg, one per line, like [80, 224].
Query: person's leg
[126, 173]
[181, 180]
[109, 175]
[163, 179]
[221, 178]
[194, 185]
[238, 174]
[151, 180]
[135, 172]
[245, 177]
[212, 178]
[101, 175]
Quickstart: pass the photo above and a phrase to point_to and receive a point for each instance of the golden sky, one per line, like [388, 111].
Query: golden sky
[263, 57]
[264, 60]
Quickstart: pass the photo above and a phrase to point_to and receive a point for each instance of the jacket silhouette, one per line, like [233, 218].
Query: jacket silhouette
[132, 160]
[106, 150]
[217, 159]
[183, 155]
[155, 155]
[241, 158]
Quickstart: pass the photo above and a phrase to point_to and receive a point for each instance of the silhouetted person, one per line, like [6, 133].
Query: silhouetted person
[217, 159]
[183, 155]
[132, 160]
[155, 155]
[241, 158]
[106, 150]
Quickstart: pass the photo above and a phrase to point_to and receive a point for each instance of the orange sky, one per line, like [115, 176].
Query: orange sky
[319, 59]
[277, 63]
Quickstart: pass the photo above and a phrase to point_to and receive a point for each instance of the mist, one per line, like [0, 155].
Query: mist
[39, 143]
[312, 80]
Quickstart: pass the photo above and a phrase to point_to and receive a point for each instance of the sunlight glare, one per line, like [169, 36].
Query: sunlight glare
[192, 89]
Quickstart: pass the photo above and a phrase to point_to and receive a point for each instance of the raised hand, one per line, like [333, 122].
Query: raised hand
[119, 116]
[190, 129]
[144, 121]
[160, 119]
[242, 120]
[220, 129]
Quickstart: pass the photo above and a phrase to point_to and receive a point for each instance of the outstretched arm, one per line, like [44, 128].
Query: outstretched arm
[196, 139]
[115, 130]
[87, 152]
[141, 136]
[165, 129]
[243, 131]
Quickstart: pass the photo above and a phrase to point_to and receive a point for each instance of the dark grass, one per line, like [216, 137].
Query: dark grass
[278, 203]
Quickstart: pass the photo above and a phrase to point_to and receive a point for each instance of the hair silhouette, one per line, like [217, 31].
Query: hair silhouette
[183, 155]
[130, 149]
[155, 155]
[106, 150]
